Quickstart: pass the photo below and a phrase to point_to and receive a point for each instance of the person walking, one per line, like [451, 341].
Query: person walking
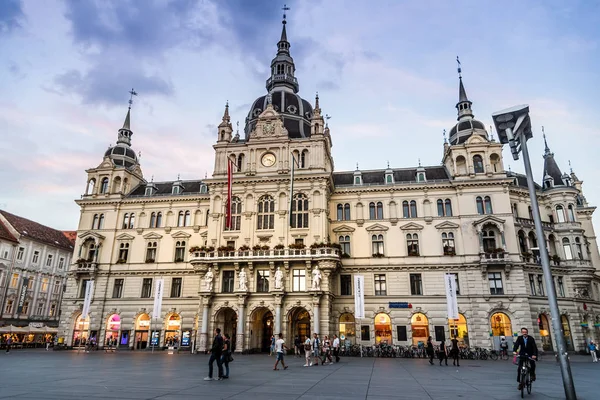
[442, 356]
[316, 347]
[47, 343]
[226, 355]
[272, 348]
[215, 355]
[326, 351]
[9, 342]
[279, 348]
[454, 352]
[336, 348]
[297, 344]
[592, 346]
[429, 350]
[307, 351]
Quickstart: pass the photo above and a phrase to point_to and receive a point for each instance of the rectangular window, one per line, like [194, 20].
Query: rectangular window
[9, 307]
[52, 310]
[82, 288]
[540, 282]
[299, 241]
[402, 336]
[176, 287]
[299, 280]
[365, 332]
[40, 309]
[118, 289]
[36, 257]
[20, 253]
[532, 284]
[561, 287]
[56, 289]
[380, 285]
[231, 243]
[345, 245]
[146, 288]
[180, 251]
[61, 262]
[14, 281]
[495, 279]
[262, 281]
[45, 282]
[346, 285]
[30, 283]
[25, 309]
[49, 260]
[228, 278]
[416, 285]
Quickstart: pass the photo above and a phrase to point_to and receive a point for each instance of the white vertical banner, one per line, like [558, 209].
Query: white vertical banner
[359, 296]
[451, 300]
[89, 290]
[158, 295]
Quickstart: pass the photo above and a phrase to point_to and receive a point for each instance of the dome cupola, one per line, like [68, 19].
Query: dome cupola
[122, 155]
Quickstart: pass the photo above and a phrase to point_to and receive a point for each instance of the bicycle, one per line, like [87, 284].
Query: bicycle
[525, 379]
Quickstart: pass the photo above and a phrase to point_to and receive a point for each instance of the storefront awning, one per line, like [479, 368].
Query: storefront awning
[13, 329]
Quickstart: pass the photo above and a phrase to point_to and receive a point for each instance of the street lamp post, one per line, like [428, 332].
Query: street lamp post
[513, 126]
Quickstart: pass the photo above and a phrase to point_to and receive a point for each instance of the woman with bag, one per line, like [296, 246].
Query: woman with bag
[307, 351]
[429, 350]
[226, 355]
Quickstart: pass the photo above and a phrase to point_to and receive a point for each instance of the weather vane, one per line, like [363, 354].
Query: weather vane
[327, 118]
[459, 68]
[132, 93]
[285, 8]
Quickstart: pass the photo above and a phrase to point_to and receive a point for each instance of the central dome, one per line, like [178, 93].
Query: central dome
[295, 111]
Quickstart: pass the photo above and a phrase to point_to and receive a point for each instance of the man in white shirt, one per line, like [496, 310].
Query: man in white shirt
[279, 349]
[336, 348]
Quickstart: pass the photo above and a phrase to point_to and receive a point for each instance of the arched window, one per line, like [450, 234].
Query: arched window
[448, 205]
[300, 211]
[126, 221]
[303, 158]
[552, 245]
[515, 210]
[413, 209]
[461, 165]
[347, 212]
[92, 250]
[266, 213]
[489, 241]
[180, 218]
[95, 221]
[104, 185]
[131, 221]
[158, 219]
[152, 220]
[377, 244]
[240, 163]
[495, 162]
[116, 185]
[488, 205]
[379, 210]
[340, 212]
[90, 187]
[236, 214]
[478, 164]
[560, 214]
[405, 209]
[448, 244]
[571, 213]
[522, 242]
[345, 244]
[440, 208]
[101, 221]
[412, 242]
[187, 219]
[480, 209]
[578, 248]
[567, 249]
[532, 240]
[372, 211]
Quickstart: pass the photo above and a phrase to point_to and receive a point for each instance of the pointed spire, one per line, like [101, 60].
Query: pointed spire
[357, 166]
[226, 117]
[464, 104]
[444, 134]
[127, 122]
[282, 66]
[546, 148]
[551, 168]
[317, 101]
[125, 133]
[327, 118]
[570, 167]
[283, 32]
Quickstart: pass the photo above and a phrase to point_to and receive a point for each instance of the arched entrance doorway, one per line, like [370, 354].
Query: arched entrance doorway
[261, 329]
[458, 329]
[299, 324]
[142, 325]
[226, 319]
[173, 330]
[566, 327]
[383, 329]
[81, 331]
[113, 326]
[544, 326]
[420, 328]
[501, 327]
[347, 328]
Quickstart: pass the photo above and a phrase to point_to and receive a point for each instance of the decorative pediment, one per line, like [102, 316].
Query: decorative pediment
[180, 235]
[476, 139]
[269, 125]
[152, 235]
[411, 226]
[447, 225]
[90, 234]
[125, 236]
[489, 219]
[377, 228]
[204, 234]
[106, 163]
[344, 229]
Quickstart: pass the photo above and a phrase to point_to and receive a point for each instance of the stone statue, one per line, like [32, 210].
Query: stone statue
[316, 279]
[208, 280]
[243, 282]
[278, 278]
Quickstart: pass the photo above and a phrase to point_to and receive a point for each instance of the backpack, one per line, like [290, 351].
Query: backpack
[504, 345]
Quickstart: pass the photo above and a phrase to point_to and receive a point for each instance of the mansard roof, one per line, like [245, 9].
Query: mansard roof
[520, 180]
[403, 175]
[37, 232]
[166, 189]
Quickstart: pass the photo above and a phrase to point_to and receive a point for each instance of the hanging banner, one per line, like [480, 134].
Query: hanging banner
[451, 300]
[359, 296]
[158, 296]
[22, 296]
[89, 289]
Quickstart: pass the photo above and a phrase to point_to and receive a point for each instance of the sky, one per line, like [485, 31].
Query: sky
[385, 72]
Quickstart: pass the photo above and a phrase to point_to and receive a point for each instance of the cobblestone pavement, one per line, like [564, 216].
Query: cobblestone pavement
[134, 375]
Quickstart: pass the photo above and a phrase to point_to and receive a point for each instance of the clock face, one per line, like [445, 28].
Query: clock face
[268, 159]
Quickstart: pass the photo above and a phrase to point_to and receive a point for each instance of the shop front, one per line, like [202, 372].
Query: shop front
[566, 327]
[544, 326]
[113, 326]
[383, 329]
[81, 331]
[142, 326]
[420, 328]
[173, 330]
[501, 326]
[459, 330]
[347, 329]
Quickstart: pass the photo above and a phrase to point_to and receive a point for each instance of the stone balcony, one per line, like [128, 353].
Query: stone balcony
[528, 223]
[322, 253]
[495, 258]
[85, 267]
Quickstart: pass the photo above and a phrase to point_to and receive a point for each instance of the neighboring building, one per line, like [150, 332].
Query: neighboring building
[34, 262]
[401, 228]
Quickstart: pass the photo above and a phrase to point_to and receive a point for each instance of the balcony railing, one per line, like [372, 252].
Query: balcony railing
[86, 267]
[274, 254]
[492, 258]
[528, 223]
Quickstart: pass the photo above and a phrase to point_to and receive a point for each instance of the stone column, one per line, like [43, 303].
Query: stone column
[277, 299]
[239, 340]
[316, 313]
[204, 326]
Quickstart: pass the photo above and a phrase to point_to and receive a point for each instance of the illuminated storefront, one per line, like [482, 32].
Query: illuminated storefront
[142, 326]
[567, 332]
[383, 329]
[545, 332]
[458, 329]
[113, 326]
[173, 330]
[347, 327]
[81, 331]
[420, 328]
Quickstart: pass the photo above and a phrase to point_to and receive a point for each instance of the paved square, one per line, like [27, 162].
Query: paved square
[129, 375]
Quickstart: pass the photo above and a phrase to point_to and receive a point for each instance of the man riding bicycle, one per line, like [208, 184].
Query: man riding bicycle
[527, 349]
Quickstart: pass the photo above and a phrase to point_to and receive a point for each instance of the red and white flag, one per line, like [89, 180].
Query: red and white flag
[229, 194]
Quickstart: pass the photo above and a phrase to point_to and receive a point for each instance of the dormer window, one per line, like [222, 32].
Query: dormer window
[176, 190]
[203, 188]
[421, 177]
[566, 180]
[358, 178]
[177, 187]
[148, 191]
[389, 177]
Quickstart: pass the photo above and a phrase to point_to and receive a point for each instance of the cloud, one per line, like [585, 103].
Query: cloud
[11, 15]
